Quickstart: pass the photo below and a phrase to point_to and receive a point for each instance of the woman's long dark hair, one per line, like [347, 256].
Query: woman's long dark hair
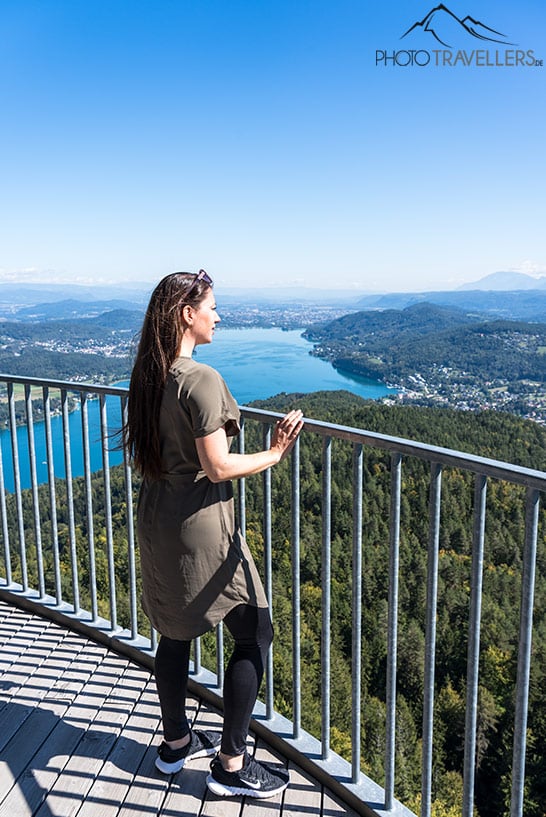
[160, 339]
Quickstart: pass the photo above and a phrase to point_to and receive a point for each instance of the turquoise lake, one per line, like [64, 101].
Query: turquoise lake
[256, 363]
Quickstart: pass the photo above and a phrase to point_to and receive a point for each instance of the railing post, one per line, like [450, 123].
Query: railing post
[89, 506]
[241, 484]
[524, 653]
[70, 504]
[34, 491]
[392, 627]
[430, 635]
[17, 486]
[326, 579]
[269, 709]
[5, 527]
[296, 596]
[197, 655]
[108, 513]
[52, 497]
[220, 655]
[357, 611]
[471, 719]
[129, 515]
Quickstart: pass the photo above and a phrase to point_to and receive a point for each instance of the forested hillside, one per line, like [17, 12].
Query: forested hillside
[491, 434]
[443, 356]
[395, 344]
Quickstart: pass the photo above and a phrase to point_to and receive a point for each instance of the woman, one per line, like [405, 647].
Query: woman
[196, 566]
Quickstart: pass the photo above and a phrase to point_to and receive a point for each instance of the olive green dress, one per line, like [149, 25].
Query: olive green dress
[196, 565]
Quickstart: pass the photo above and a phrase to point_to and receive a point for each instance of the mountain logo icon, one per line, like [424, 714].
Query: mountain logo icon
[446, 27]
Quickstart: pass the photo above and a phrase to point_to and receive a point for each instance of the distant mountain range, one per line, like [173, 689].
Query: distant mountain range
[507, 282]
[29, 294]
[525, 306]
[508, 295]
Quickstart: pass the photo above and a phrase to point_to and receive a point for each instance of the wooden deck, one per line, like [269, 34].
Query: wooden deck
[78, 735]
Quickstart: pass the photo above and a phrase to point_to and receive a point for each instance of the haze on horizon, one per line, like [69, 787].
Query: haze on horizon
[263, 143]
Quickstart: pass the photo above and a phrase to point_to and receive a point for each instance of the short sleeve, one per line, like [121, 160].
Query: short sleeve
[211, 404]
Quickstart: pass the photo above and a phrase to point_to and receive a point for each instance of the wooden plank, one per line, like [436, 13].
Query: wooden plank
[116, 775]
[99, 725]
[41, 734]
[22, 654]
[17, 666]
[149, 787]
[303, 795]
[332, 807]
[17, 737]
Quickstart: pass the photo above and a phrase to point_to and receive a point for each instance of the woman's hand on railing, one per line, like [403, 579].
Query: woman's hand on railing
[286, 432]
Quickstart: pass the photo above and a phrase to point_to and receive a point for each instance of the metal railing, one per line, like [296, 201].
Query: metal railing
[55, 482]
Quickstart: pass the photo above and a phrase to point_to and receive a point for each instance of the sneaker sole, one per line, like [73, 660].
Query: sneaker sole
[173, 768]
[233, 791]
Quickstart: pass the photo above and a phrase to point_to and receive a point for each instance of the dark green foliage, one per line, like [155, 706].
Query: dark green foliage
[394, 344]
[490, 434]
[442, 356]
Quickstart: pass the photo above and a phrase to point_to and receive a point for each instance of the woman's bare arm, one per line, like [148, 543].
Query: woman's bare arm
[219, 464]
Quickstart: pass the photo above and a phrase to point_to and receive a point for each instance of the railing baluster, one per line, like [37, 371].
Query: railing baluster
[5, 527]
[241, 484]
[129, 516]
[108, 513]
[70, 503]
[89, 505]
[17, 485]
[34, 492]
[326, 579]
[269, 710]
[197, 656]
[296, 597]
[52, 497]
[220, 655]
[473, 663]
[392, 627]
[524, 652]
[357, 611]
[430, 635]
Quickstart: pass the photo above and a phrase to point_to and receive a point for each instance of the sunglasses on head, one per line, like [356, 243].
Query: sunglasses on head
[199, 276]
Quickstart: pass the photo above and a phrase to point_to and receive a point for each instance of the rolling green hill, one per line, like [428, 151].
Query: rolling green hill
[442, 355]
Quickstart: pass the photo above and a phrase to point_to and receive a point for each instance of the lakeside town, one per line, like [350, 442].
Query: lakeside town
[444, 386]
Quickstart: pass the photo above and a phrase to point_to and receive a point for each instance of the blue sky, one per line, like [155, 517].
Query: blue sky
[261, 141]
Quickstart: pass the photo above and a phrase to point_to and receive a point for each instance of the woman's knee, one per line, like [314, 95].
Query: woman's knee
[250, 626]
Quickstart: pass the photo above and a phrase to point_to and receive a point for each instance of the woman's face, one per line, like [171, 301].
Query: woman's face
[204, 320]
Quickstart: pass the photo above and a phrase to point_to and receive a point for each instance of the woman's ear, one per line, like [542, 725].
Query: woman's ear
[187, 314]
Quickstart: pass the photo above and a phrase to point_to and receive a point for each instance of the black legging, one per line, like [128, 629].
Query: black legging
[252, 632]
